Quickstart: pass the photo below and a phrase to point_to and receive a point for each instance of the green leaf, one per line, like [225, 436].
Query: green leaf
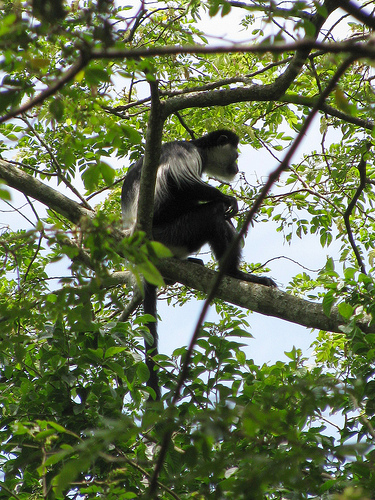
[56, 108]
[5, 194]
[107, 172]
[91, 177]
[56, 426]
[95, 76]
[160, 251]
[346, 310]
[143, 372]
[226, 8]
[328, 300]
[9, 98]
[97, 353]
[112, 351]
[68, 474]
[241, 357]
[151, 273]
[131, 133]
[349, 273]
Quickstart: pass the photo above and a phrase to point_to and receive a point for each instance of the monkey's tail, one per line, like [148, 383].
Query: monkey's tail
[150, 307]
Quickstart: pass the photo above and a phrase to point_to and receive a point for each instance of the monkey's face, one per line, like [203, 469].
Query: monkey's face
[222, 162]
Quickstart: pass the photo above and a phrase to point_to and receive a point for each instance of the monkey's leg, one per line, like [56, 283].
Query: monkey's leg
[221, 240]
[206, 223]
[189, 231]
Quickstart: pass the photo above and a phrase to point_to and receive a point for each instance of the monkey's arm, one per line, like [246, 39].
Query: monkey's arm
[200, 191]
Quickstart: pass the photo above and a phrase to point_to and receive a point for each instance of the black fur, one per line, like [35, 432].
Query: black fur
[189, 213]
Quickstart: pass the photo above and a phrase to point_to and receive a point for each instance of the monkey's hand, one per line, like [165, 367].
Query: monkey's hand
[232, 207]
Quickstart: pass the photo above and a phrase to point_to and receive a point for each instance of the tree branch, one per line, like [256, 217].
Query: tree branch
[30, 186]
[326, 108]
[150, 162]
[248, 295]
[272, 10]
[350, 207]
[357, 13]
[350, 47]
[258, 298]
[220, 98]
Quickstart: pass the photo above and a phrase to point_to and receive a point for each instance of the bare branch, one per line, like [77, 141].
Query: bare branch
[357, 49]
[223, 97]
[357, 12]
[273, 10]
[137, 22]
[132, 306]
[348, 211]
[329, 110]
[56, 164]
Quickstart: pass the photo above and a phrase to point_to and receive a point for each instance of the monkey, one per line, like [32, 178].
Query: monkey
[188, 212]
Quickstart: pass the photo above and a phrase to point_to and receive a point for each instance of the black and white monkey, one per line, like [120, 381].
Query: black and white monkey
[188, 212]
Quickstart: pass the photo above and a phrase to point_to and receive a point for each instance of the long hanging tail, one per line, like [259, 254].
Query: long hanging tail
[150, 307]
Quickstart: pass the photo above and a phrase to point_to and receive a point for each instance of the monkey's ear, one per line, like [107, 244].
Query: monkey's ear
[223, 139]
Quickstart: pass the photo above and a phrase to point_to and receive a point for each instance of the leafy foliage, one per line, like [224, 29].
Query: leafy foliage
[75, 102]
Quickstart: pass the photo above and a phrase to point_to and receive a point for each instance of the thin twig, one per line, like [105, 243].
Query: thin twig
[357, 12]
[137, 22]
[132, 306]
[348, 211]
[185, 125]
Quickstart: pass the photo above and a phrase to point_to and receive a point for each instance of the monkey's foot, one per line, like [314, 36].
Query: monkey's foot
[253, 278]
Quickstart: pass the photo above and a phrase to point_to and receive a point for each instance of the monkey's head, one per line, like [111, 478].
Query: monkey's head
[221, 153]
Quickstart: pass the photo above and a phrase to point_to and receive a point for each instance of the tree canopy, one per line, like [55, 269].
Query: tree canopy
[87, 88]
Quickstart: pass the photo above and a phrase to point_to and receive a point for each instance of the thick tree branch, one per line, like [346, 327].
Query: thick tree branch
[257, 298]
[150, 162]
[254, 297]
[225, 97]
[30, 186]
